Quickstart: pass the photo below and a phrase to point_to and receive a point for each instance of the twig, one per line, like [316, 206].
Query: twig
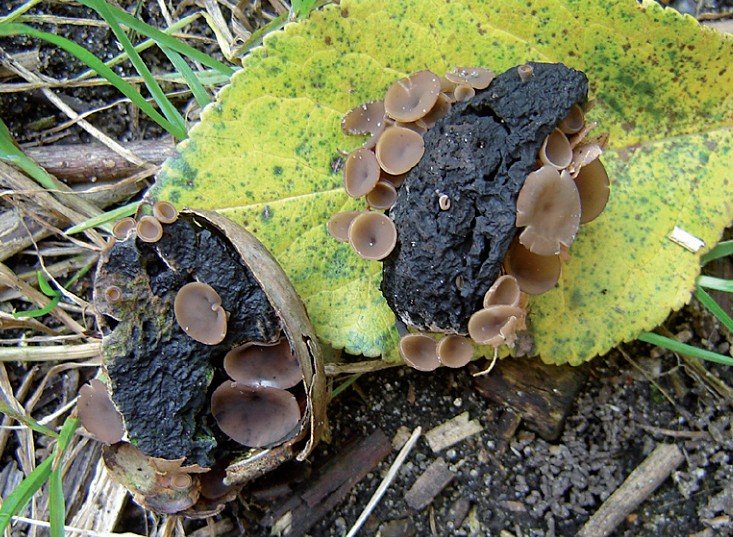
[386, 482]
[638, 486]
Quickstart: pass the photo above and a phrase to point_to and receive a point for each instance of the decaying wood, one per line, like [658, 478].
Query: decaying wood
[541, 394]
[635, 489]
[75, 163]
[451, 432]
[433, 480]
[296, 514]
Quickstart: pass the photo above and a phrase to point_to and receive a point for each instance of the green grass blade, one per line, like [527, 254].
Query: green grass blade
[199, 93]
[166, 40]
[105, 218]
[19, 498]
[39, 312]
[10, 153]
[10, 17]
[682, 348]
[25, 420]
[56, 504]
[95, 63]
[722, 249]
[714, 308]
[719, 284]
[169, 111]
[44, 286]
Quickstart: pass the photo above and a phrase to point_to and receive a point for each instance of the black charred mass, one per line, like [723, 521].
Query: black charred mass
[479, 156]
[159, 375]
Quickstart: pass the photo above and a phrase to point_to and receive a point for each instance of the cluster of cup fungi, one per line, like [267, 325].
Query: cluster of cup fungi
[569, 187]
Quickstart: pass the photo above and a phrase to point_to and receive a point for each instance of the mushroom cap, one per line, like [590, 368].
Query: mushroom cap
[399, 149]
[549, 206]
[165, 212]
[454, 351]
[361, 172]
[504, 291]
[440, 109]
[463, 92]
[476, 77]
[198, 311]
[556, 150]
[98, 413]
[535, 273]
[574, 121]
[372, 235]
[338, 224]
[594, 188]
[149, 229]
[419, 351]
[122, 228]
[112, 294]
[367, 118]
[270, 365]
[382, 196]
[396, 180]
[525, 72]
[254, 416]
[411, 98]
[495, 324]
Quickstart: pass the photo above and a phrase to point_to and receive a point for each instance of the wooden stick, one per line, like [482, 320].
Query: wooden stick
[638, 487]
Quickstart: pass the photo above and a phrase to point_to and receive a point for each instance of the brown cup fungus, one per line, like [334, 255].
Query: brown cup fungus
[372, 235]
[254, 417]
[382, 196]
[338, 225]
[270, 365]
[98, 413]
[113, 294]
[367, 118]
[361, 172]
[123, 228]
[419, 351]
[198, 311]
[149, 229]
[165, 212]
[512, 152]
[454, 351]
[165, 344]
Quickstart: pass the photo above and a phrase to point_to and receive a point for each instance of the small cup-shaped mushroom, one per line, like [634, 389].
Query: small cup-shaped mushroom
[441, 109]
[149, 229]
[464, 92]
[574, 121]
[165, 212]
[122, 228]
[98, 413]
[399, 149]
[113, 294]
[535, 273]
[395, 180]
[361, 172]
[367, 118]
[504, 291]
[476, 77]
[254, 417]
[418, 126]
[593, 186]
[198, 311]
[411, 98]
[495, 324]
[549, 206]
[583, 154]
[419, 351]
[264, 364]
[525, 72]
[338, 224]
[556, 150]
[373, 235]
[454, 351]
[382, 196]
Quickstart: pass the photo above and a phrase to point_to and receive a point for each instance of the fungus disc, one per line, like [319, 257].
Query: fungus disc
[419, 351]
[485, 326]
[593, 186]
[165, 212]
[382, 196]
[372, 235]
[549, 206]
[361, 172]
[149, 229]
[98, 414]
[338, 225]
[198, 311]
[254, 417]
[505, 291]
[476, 77]
[411, 98]
[122, 228]
[454, 351]
[535, 273]
[574, 121]
[367, 118]
[464, 92]
[556, 150]
[399, 150]
[260, 364]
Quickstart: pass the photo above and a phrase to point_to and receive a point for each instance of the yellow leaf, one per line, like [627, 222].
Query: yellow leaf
[267, 153]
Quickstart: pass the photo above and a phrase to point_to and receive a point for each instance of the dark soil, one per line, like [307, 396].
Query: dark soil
[505, 484]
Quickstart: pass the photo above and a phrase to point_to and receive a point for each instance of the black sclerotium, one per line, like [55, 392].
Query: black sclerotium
[159, 375]
[478, 156]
